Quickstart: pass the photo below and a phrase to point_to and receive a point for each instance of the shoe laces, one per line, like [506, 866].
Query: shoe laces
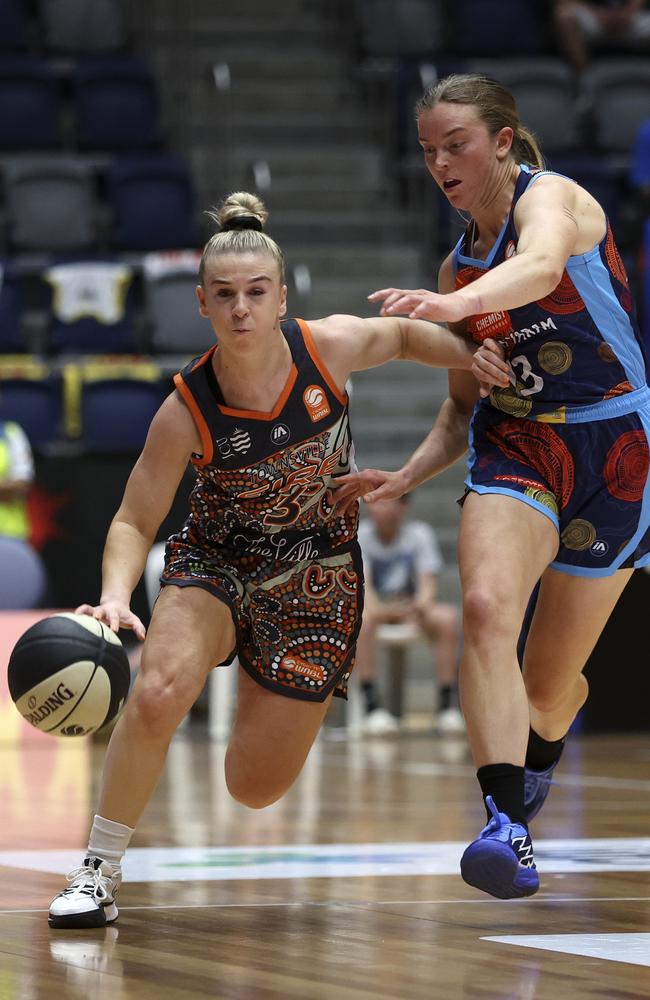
[89, 881]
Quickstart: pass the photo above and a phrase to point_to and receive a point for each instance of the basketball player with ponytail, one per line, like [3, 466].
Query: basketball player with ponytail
[264, 567]
[558, 449]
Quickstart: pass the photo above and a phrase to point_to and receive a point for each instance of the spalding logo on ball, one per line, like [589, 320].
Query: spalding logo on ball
[69, 675]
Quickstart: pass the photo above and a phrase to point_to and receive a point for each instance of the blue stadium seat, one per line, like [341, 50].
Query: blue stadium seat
[152, 201]
[30, 105]
[116, 104]
[11, 307]
[12, 25]
[34, 402]
[116, 412]
[93, 304]
[645, 285]
[498, 27]
[640, 160]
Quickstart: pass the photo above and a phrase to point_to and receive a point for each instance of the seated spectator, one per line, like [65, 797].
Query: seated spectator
[16, 476]
[402, 561]
[620, 25]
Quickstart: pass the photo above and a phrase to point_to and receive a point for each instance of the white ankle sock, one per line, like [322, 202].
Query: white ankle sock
[108, 840]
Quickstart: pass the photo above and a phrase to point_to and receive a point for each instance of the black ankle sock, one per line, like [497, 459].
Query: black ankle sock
[542, 753]
[505, 783]
[370, 694]
[445, 692]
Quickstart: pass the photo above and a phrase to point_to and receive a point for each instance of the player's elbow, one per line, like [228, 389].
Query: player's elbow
[548, 271]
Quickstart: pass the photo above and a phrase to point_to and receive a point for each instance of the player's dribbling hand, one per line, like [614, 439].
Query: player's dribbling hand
[419, 303]
[115, 614]
[490, 368]
[371, 485]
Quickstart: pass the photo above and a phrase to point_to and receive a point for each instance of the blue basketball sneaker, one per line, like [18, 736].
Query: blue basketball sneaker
[537, 785]
[501, 861]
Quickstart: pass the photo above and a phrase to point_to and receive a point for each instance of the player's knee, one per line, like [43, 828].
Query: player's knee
[160, 704]
[250, 792]
[482, 612]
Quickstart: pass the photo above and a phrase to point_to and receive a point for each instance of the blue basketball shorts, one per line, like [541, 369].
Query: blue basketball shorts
[588, 475]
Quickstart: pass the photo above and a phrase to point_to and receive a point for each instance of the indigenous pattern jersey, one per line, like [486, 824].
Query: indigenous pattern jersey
[570, 437]
[262, 534]
[578, 345]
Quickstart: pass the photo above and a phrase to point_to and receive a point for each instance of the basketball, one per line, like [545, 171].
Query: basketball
[69, 675]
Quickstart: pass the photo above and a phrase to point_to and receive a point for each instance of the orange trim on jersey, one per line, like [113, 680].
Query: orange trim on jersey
[279, 406]
[318, 361]
[197, 416]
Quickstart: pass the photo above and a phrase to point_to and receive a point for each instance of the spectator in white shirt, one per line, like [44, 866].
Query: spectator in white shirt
[402, 561]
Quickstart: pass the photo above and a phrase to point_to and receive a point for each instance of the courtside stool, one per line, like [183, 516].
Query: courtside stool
[397, 639]
[222, 681]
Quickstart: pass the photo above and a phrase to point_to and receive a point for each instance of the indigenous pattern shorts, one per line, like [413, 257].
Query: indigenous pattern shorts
[589, 475]
[297, 623]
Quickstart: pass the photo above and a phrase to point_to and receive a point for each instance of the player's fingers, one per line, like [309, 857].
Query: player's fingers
[85, 609]
[380, 294]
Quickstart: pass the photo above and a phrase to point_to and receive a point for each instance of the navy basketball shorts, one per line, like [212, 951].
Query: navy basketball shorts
[588, 475]
[296, 622]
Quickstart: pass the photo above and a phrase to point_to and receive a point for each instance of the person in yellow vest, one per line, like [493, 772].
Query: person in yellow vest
[16, 476]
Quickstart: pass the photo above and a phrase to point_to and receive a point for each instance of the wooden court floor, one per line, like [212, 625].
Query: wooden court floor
[347, 889]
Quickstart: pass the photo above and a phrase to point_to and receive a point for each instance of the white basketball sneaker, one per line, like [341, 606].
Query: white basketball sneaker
[89, 900]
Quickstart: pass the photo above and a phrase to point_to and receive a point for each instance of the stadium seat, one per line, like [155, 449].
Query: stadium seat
[116, 105]
[80, 26]
[603, 177]
[399, 27]
[645, 286]
[619, 95]
[498, 27]
[33, 398]
[172, 306]
[152, 201]
[12, 25]
[11, 307]
[92, 307]
[640, 159]
[116, 411]
[50, 205]
[545, 95]
[23, 581]
[30, 105]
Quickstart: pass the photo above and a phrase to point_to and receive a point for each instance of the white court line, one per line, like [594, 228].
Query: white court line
[467, 771]
[367, 902]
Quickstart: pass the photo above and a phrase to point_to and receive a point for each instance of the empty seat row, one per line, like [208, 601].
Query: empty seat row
[604, 116]
[65, 26]
[468, 27]
[52, 203]
[103, 408]
[114, 105]
[105, 307]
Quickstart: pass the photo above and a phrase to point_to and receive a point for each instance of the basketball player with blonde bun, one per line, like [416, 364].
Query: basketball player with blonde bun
[264, 567]
[558, 452]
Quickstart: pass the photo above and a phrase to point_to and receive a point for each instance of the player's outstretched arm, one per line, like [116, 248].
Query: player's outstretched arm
[147, 499]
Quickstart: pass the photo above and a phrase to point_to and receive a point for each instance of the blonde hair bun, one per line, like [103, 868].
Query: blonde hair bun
[237, 205]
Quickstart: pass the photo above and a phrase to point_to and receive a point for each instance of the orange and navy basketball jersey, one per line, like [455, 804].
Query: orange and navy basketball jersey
[263, 489]
[577, 346]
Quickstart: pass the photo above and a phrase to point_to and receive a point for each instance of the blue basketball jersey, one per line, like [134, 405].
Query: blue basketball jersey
[577, 346]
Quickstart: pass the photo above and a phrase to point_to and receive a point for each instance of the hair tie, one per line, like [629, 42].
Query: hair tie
[243, 222]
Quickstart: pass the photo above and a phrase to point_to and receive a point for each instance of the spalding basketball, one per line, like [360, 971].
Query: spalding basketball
[69, 675]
